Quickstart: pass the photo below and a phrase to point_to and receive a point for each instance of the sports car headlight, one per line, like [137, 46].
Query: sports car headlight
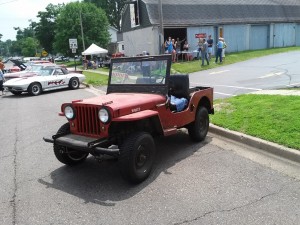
[104, 115]
[69, 112]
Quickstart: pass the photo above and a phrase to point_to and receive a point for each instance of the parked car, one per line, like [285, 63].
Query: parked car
[48, 78]
[139, 106]
[31, 70]
[61, 59]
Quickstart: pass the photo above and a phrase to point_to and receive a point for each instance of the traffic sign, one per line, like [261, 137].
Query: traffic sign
[73, 43]
[44, 53]
[73, 50]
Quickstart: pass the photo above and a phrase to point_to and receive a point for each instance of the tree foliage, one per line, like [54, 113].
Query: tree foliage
[94, 24]
[113, 9]
[44, 29]
[29, 46]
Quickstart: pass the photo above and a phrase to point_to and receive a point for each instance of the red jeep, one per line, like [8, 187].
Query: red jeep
[140, 104]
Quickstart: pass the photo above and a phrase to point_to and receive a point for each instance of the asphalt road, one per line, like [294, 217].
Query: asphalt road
[214, 182]
[269, 72]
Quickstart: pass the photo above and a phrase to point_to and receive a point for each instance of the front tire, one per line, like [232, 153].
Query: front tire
[66, 155]
[136, 158]
[74, 83]
[35, 89]
[199, 128]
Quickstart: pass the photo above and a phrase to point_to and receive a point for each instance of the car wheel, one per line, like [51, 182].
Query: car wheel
[35, 89]
[16, 92]
[199, 128]
[66, 155]
[74, 83]
[136, 158]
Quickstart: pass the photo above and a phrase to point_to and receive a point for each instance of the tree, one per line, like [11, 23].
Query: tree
[113, 9]
[44, 29]
[94, 25]
[29, 46]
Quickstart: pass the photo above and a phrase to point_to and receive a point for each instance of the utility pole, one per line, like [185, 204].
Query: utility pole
[161, 28]
[83, 45]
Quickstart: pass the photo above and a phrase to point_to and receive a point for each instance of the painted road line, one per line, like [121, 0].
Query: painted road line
[220, 85]
[271, 75]
[220, 93]
[218, 72]
[292, 85]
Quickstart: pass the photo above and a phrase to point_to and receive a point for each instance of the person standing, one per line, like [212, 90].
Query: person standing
[224, 47]
[210, 43]
[219, 50]
[204, 52]
[200, 44]
[1, 75]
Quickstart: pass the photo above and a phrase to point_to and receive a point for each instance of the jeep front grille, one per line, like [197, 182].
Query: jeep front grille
[88, 122]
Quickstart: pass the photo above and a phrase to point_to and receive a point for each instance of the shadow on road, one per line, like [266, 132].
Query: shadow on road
[101, 183]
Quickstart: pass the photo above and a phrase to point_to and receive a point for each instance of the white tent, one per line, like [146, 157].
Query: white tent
[94, 50]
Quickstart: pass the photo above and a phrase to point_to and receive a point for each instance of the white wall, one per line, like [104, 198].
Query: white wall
[137, 41]
[113, 34]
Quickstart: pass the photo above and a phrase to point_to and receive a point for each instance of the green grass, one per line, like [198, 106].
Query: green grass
[273, 118]
[195, 65]
[94, 78]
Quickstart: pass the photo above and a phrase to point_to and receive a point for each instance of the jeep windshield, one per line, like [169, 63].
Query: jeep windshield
[140, 74]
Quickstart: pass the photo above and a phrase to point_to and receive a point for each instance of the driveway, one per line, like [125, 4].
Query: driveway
[268, 72]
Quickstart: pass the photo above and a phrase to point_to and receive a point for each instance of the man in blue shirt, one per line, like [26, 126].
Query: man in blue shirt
[219, 50]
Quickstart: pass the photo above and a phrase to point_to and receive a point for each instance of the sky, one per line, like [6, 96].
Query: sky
[17, 13]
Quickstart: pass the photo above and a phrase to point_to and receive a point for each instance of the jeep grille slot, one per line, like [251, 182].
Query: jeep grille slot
[88, 121]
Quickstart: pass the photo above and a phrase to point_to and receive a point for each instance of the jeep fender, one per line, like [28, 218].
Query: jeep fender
[140, 117]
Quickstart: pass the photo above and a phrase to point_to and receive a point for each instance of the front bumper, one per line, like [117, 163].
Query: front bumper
[81, 143]
[15, 88]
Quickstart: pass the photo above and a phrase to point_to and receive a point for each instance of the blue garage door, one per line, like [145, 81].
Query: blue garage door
[259, 36]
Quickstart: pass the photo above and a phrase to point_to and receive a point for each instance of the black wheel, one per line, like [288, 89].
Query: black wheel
[199, 128]
[16, 92]
[136, 158]
[74, 83]
[35, 89]
[66, 155]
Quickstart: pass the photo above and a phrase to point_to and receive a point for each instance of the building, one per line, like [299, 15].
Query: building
[245, 24]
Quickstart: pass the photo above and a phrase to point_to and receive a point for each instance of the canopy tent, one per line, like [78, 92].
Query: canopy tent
[94, 50]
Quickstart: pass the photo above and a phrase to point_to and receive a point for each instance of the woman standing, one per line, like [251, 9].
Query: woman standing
[1, 75]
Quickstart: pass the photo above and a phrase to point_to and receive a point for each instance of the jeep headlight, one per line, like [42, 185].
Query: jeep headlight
[104, 115]
[69, 112]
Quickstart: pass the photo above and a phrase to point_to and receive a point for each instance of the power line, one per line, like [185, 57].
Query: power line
[8, 2]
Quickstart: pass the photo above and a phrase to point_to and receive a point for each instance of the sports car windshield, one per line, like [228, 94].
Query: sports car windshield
[45, 72]
[147, 72]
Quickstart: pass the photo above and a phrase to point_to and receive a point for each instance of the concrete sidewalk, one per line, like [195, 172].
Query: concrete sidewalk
[278, 92]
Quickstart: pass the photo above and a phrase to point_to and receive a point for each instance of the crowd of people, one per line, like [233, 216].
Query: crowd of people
[204, 49]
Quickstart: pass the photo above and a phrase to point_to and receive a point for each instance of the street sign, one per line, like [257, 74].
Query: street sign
[44, 53]
[73, 43]
[73, 50]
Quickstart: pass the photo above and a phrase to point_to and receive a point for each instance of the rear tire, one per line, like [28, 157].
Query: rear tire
[66, 155]
[199, 128]
[136, 158]
[74, 83]
[35, 89]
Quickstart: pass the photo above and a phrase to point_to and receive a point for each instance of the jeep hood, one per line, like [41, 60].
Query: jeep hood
[126, 103]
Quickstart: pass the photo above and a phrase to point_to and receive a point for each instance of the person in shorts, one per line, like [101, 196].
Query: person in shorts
[210, 43]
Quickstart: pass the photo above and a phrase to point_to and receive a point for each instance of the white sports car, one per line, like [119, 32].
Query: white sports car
[48, 78]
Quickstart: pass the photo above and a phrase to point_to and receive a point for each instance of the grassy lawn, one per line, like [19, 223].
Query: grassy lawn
[94, 78]
[273, 118]
[195, 65]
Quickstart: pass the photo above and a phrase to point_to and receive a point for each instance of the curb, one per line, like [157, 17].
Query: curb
[93, 88]
[270, 147]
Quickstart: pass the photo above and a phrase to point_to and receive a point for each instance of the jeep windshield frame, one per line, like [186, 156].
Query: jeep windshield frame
[141, 74]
